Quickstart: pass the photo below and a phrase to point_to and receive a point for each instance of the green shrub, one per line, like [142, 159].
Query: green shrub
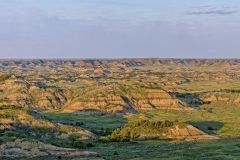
[79, 123]
[131, 132]
[210, 128]
[89, 145]
[115, 153]
[78, 144]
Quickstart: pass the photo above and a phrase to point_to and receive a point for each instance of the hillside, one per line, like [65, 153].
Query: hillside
[146, 129]
[119, 108]
[25, 133]
[124, 85]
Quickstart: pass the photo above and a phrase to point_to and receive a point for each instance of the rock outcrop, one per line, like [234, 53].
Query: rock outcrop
[127, 102]
[156, 99]
[230, 97]
[106, 99]
[31, 149]
[23, 93]
[116, 85]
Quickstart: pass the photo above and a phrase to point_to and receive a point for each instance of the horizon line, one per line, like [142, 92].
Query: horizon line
[126, 58]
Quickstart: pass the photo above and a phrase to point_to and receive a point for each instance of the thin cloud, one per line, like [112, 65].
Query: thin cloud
[209, 10]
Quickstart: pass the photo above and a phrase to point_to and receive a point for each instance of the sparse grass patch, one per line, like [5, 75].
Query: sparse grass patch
[97, 123]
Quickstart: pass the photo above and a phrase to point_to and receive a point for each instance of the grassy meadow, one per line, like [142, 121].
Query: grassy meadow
[95, 122]
[219, 118]
[216, 119]
[225, 149]
[211, 85]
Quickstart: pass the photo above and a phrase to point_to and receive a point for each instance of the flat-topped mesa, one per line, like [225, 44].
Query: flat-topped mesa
[6, 64]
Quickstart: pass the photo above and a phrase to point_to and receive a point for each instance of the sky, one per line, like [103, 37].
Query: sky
[119, 28]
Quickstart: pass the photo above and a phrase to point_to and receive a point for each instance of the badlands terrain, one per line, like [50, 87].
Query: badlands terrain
[120, 109]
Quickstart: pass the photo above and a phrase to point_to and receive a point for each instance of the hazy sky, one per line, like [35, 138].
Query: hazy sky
[119, 28]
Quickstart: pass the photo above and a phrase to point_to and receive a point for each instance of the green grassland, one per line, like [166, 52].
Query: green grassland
[20, 123]
[220, 118]
[196, 86]
[225, 149]
[95, 122]
[221, 149]
[50, 127]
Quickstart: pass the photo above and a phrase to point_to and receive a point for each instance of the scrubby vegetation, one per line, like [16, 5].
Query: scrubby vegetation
[111, 106]
[218, 118]
[17, 123]
[132, 131]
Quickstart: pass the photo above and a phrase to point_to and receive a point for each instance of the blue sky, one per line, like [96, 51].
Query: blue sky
[119, 28]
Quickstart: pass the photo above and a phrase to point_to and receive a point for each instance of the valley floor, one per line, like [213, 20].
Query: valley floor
[217, 119]
[219, 149]
[224, 149]
[122, 109]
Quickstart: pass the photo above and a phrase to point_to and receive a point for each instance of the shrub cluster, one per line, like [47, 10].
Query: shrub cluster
[132, 131]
